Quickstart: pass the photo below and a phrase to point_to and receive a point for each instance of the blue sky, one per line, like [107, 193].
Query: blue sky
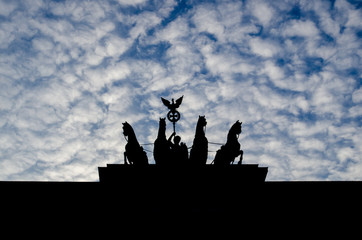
[72, 71]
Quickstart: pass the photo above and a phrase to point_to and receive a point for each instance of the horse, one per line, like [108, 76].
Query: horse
[161, 147]
[228, 152]
[134, 153]
[198, 153]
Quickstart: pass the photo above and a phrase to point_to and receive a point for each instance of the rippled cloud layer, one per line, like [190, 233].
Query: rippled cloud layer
[72, 71]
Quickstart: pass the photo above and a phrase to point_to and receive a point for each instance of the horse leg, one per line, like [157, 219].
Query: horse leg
[241, 157]
[125, 158]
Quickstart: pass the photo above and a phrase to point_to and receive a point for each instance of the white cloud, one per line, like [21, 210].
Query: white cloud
[43, 45]
[132, 2]
[311, 144]
[175, 31]
[90, 11]
[206, 20]
[302, 129]
[348, 15]
[357, 96]
[224, 22]
[354, 18]
[98, 78]
[263, 48]
[322, 96]
[143, 22]
[225, 63]
[85, 112]
[345, 154]
[301, 28]
[5, 38]
[262, 11]
[327, 23]
[355, 111]
[196, 101]
[7, 7]
[275, 73]
[115, 46]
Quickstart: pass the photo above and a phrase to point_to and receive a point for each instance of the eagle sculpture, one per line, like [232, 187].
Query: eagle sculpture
[172, 106]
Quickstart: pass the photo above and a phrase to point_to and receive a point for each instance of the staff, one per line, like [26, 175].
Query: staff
[173, 115]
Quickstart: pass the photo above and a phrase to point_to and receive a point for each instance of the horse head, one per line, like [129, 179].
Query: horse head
[162, 128]
[236, 128]
[162, 122]
[127, 129]
[202, 121]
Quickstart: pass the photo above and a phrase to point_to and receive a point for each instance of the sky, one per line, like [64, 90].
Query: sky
[71, 72]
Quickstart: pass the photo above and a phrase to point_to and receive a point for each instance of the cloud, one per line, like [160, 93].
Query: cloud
[131, 2]
[206, 20]
[274, 72]
[357, 96]
[143, 22]
[263, 48]
[300, 28]
[7, 8]
[262, 11]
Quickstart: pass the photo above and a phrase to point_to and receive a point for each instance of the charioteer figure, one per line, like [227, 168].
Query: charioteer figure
[179, 152]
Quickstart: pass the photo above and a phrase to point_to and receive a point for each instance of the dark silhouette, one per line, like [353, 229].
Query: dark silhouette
[198, 153]
[134, 153]
[161, 147]
[228, 152]
[179, 153]
[173, 115]
[172, 106]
